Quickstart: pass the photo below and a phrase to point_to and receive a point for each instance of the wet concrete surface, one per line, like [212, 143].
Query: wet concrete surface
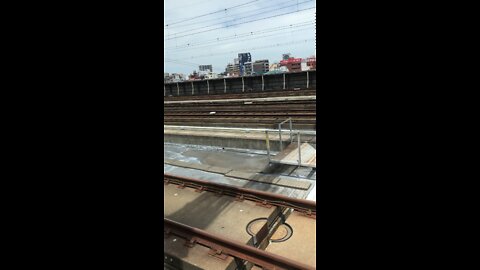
[232, 160]
[218, 178]
[215, 156]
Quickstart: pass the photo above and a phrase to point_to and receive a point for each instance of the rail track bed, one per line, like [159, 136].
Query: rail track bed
[250, 114]
[305, 113]
[242, 108]
[240, 125]
[238, 119]
[216, 226]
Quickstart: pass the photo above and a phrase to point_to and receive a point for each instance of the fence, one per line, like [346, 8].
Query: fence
[249, 84]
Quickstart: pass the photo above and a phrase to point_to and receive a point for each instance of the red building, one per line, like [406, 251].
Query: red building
[312, 62]
[293, 64]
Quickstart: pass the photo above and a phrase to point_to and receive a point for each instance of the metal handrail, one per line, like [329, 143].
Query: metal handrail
[280, 131]
[299, 151]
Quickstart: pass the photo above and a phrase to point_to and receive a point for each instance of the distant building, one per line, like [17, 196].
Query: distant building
[232, 70]
[174, 77]
[242, 59]
[303, 65]
[274, 66]
[292, 64]
[260, 67]
[248, 68]
[312, 62]
[205, 68]
[211, 75]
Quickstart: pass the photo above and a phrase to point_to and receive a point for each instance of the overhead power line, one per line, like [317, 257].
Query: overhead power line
[178, 62]
[184, 63]
[227, 16]
[242, 35]
[197, 47]
[195, 33]
[214, 12]
[234, 20]
[191, 4]
[248, 49]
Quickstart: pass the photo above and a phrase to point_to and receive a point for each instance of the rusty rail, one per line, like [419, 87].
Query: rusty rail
[266, 198]
[221, 245]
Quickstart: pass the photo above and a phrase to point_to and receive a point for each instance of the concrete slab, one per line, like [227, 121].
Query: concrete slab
[312, 195]
[302, 246]
[231, 160]
[219, 170]
[271, 179]
[221, 215]
[229, 137]
[241, 175]
[290, 155]
[179, 152]
[179, 163]
[218, 178]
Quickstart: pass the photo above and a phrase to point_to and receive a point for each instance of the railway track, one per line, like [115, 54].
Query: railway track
[264, 198]
[222, 247]
[225, 246]
[241, 114]
[239, 119]
[246, 114]
[247, 101]
[242, 109]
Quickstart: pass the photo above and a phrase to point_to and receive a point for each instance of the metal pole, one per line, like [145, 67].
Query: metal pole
[263, 84]
[283, 81]
[178, 90]
[299, 151]
[224, 86]
[243, 85]
[291, 137]
[268, 144]
[208, 88]
[193, 89]
[308, 80]
[280, 135]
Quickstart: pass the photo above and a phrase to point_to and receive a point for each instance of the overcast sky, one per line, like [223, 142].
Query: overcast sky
[203, 32]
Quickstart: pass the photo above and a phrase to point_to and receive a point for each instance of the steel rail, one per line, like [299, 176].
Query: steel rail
[290, 98]
[232, 248]
[266, 198]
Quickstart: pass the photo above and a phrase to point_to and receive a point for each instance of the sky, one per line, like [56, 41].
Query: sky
[213, 32]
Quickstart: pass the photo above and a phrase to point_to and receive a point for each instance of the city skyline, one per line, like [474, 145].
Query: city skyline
[201, 35]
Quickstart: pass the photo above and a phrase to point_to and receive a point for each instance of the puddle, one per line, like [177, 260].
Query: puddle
[234, 161]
